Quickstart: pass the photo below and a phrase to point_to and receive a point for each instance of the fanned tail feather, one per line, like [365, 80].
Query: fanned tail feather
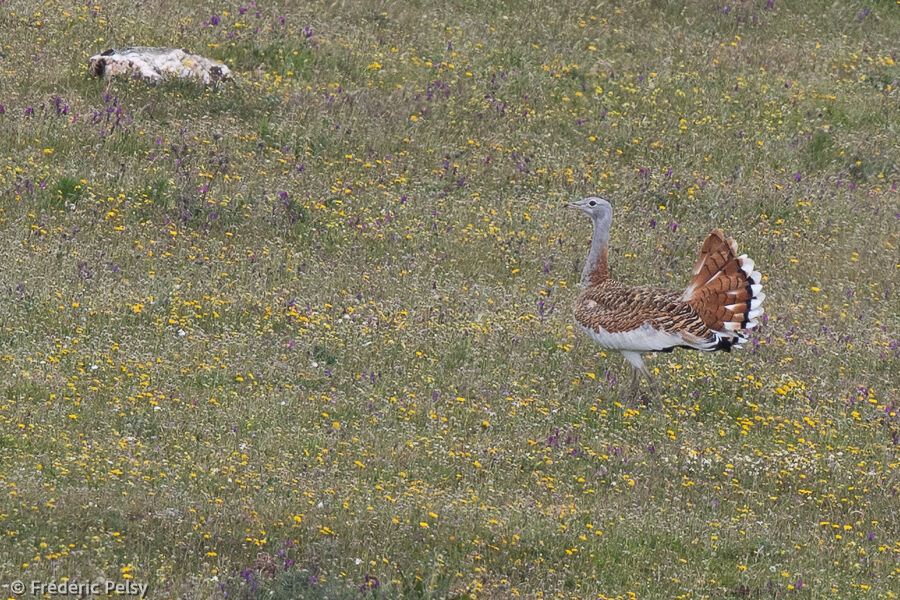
[725, 291]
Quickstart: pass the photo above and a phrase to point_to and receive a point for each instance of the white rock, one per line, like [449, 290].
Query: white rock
[157, 64]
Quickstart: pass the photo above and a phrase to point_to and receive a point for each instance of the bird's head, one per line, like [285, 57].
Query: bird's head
[595, 208]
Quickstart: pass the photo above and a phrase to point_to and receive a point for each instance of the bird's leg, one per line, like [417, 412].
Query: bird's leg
[637, 368]
[635, 384]
[626, 394]
[646, 373]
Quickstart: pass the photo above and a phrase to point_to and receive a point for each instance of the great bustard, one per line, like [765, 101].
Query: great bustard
[720, 305]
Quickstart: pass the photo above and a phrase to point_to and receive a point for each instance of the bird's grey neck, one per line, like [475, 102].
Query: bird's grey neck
[596, 268]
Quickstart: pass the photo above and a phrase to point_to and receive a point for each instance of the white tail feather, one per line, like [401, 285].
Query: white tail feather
[757, 300]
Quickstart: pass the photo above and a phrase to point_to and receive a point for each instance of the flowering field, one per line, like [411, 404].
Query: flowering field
[309, 335]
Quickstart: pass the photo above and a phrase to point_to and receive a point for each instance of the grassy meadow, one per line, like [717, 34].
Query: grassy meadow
[310, 335]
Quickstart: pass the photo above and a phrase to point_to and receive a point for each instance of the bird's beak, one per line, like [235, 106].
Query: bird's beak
[570, 205]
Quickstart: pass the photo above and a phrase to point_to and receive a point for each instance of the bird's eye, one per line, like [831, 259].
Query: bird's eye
[592, 203]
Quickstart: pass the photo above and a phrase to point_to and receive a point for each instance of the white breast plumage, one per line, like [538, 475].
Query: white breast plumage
[643, 339]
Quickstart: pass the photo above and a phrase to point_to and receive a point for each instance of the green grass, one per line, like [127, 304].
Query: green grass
[310, 335]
